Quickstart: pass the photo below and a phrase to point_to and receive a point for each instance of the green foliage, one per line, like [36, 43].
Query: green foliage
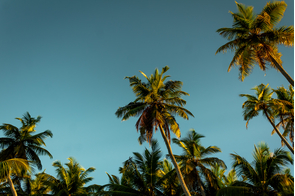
[194, 162]
[142, 175]
[261, 102]
[13, 166]
[36, 186]
[270, 108]
[284, 111]
[264, 176]
[70, 180]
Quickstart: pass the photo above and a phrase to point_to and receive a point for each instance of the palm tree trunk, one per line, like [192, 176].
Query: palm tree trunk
[13, 191]
[279, 133]
[180, 177]
[282, 70]
[200, 185]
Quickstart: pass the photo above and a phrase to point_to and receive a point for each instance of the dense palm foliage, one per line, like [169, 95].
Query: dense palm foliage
[194, 162]
[262, 101]
[170, 184]
[37, 186]
[157, 102]
[21, 143]
[254, 39]
[70, 180]
[141, 174]
[264, 176]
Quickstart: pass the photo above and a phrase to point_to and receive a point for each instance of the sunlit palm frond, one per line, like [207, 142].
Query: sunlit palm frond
[14, 166]
[275, 11]
[282, 35]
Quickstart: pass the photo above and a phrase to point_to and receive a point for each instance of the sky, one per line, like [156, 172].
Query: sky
[66, 61]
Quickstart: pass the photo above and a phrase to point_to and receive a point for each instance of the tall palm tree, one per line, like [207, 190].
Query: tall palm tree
[262, 102]
[13, 166]
[194, 160]
[157, 102]
[264, 176]
[21, 143]
[284, 108]
[254, 38]
[70, 180]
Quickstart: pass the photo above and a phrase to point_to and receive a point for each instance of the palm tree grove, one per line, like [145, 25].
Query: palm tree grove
[158, 140]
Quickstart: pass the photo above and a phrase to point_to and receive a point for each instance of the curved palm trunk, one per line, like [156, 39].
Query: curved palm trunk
[180, 177]
[279, 133]
[282, 70]
[13, 191]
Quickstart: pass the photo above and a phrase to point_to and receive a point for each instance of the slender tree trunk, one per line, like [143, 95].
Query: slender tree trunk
[282, 70]
[13, 191]
[292, 136]
[279, 133]
[180, 177]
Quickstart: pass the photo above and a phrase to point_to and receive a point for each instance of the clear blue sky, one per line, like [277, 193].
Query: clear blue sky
[66, 61]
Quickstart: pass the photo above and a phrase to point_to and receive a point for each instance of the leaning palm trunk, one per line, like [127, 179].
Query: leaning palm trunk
[282, 70]
[180, 177]
[13, 191]
[279, 133]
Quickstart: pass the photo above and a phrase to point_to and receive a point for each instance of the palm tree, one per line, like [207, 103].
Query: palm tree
[70, 180]
[170, 184]
[156, 103]
[225, 180]
[219, 172]
[284, 108]
[254, 38]
[264, 176]
[37, 186]
[194, 160]
[14, 166]
[262, 102]
[141, 174]
[21, 143]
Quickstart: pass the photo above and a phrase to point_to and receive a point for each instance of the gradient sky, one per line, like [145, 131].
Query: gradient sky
[66, 61]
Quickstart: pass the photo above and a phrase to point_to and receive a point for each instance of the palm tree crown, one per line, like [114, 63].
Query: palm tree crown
[194, 160]
[284, 108]
[156, 103]
[21, 143]
[14, 166]
[262, 102]
[264, 176]
[254, 38]
[70, 180]
[141, 174]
